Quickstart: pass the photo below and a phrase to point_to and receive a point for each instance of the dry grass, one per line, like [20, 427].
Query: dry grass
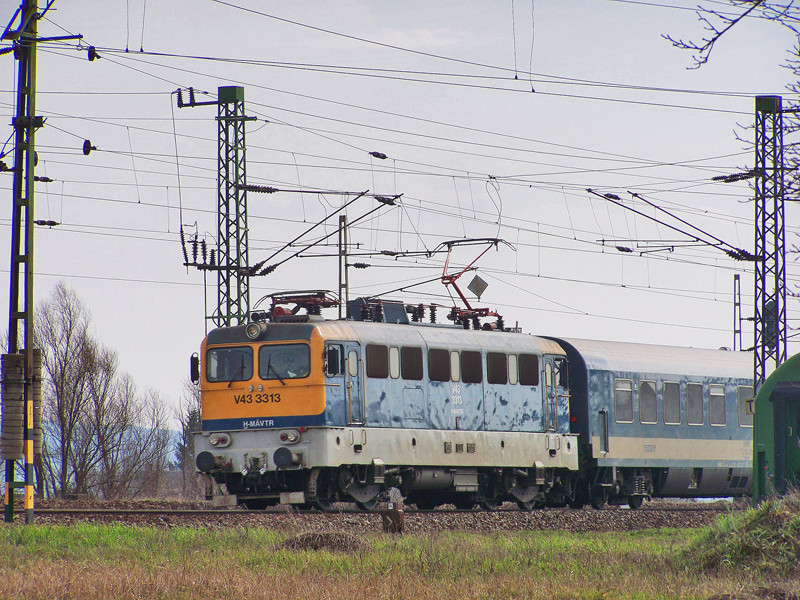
[96, 562]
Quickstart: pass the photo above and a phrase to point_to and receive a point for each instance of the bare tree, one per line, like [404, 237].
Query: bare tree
[190, 419]
[102, 437]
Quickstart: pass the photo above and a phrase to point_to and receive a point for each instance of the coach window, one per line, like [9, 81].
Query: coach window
[694, 404]
[672, 403]
[496, 368]
[377, 361]
[411, 363]
[528, 369]
[455, 366]
[229, 364]
[394, 362]
[623, 401]
[716, 404]
[513, 371]
[471, 371]
[438, 365]
[648, 403]
[745, 402]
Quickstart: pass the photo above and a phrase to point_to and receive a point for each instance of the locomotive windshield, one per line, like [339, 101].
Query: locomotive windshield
[229, 364]
[283, 361]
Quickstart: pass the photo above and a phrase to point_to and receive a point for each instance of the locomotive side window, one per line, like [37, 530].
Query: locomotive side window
[411, 363]
[496, 368]
[352, 363]
[694, 404]
[528, 369]
[334, 360]
[716, 404]
[438, 365]
[623, 401]
[513, 371]
[394, 362]
[648, 402]
[672, 403]
[745, 402]
[455, 366]
[377, 361]
[283, 361]
[229, 364]
[471, 371]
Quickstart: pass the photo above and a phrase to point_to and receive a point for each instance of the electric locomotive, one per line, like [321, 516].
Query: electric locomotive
[307, 411]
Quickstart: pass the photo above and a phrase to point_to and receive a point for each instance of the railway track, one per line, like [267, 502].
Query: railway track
[507, 518]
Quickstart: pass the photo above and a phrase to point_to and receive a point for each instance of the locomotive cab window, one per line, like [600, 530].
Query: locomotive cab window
[672, 403]
[471, 371]
[496, 368]
[438, 365]
[377, 361]
[528, 369]
[716, 404]
[623, 401]
[648, 403]
[334, 360]
[229, 364]
[745, 401]
[283, 361]
[694, 404]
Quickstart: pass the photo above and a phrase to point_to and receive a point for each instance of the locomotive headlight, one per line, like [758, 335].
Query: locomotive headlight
[219, 440]
[253, 330]
[290, 436]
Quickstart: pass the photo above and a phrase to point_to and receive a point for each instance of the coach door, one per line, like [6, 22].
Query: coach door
[550, 394]
[355, 400]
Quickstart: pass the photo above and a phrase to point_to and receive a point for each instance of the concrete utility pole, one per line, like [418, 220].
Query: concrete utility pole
[25, 124]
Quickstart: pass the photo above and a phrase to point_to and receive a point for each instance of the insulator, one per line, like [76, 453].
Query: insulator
[379, 155]
[414, 314]
[360, 265]
[314, 309]
[191, 96]
[194, 250]
[212, 257]
[453, 315]
[377, 312]
[183, 247]
[268, 269]
[433, 313]
[366, 313]
[87, 147]
[203, 249]
[180, 98]
[42, 179]
[93, 53]
[476, 324]
[501, 326]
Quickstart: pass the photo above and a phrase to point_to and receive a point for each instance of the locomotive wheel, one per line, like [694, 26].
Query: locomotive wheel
[369, 505]
[598, 498]
[490, 503]
[324, 504]
[635, 502]
[426, 503]
[464, 503]
[529, 505]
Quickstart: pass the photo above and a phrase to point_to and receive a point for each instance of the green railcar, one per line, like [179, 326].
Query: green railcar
[776, 432]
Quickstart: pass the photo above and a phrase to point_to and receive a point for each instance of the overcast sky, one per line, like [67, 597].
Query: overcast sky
[495, 118]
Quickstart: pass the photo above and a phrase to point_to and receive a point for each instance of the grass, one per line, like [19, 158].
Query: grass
[764, 540]
[100, 562]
